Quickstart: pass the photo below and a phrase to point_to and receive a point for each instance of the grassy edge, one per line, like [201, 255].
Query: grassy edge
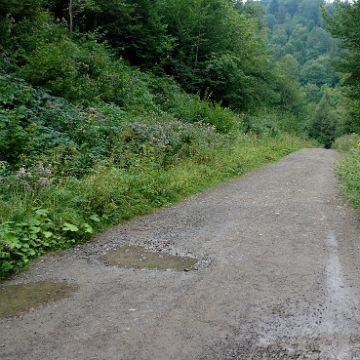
[349, 168]
[115, 196]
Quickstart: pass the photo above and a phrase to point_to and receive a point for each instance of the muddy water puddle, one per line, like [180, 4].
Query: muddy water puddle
[21, 298]
[138, 257]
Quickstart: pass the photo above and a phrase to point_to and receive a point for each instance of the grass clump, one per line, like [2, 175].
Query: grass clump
[349, 168]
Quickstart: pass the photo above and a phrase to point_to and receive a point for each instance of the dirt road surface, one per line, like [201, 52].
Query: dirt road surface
[278, 278]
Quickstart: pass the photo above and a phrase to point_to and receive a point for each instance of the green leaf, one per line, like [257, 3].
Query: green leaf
[33, 221]
[11, 237]
[42, 212]
[94, 218]
[87, 228]
[47, 234]
[35, 229]
[70, 227]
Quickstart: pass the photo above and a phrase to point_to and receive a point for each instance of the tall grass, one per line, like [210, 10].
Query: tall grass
[37, 218]
[349, 167]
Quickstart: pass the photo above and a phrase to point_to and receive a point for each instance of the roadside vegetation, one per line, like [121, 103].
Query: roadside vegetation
[110, 109]
[344, 26]
[349, 167]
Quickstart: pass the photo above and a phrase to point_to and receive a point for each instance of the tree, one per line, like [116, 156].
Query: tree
[345, 25]
[292, 97]
[318, 72]
[274, 7]
[270, 20]
[318, 43]
[323, 123]
[310, 9]
[219, 49]
[313, 93]
[281, 14]
[291, 6]
[134, 29]
[255, 11]
[279, 36]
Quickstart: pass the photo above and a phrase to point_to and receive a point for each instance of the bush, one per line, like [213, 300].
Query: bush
[346, 143]
[349, 170]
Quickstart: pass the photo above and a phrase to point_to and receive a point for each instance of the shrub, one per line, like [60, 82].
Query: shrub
[349, 170]
[346, 143]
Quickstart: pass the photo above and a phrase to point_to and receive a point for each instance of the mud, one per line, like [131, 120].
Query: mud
[15, 300]
[138, 257]
[277, 278]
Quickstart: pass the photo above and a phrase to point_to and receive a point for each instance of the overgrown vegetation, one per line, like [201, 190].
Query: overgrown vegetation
[349, 167]
[42, 213]
[109, 109]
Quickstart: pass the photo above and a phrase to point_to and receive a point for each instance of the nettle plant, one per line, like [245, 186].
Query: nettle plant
[23, 240]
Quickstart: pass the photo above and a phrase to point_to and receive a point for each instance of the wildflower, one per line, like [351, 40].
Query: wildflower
[41, 168]
[44, 181]
[358, 144]
[22, 173]
[44, 171]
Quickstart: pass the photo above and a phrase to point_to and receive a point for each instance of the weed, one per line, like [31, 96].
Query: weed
[349, 168]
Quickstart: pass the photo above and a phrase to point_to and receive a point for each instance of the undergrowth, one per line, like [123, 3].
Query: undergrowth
[88, 142]
[349, 167]
[38, 216]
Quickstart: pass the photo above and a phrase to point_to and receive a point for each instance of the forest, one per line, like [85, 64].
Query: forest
[109, 109]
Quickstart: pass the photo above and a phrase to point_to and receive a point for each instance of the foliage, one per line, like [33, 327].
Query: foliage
[22, 241]
[291, 95]
[69, 210]
[319, 72]
[301, 31]
[88, 140]
[324, 124]
[344, 25]
[275, 123]
[349, 169]
[220, 49]
[347, 142]
[313, 93]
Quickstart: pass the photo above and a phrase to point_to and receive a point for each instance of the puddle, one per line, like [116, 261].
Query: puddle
[138, 257]
[18, 299]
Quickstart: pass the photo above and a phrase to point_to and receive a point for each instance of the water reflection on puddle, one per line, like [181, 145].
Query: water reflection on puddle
[18, 299]
[138, 257]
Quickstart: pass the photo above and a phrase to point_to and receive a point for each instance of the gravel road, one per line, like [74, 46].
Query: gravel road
[277, 278]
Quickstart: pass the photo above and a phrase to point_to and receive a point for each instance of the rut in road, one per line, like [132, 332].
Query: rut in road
[277, 278]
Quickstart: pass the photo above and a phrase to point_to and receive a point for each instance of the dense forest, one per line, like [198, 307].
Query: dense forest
[111, 108]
